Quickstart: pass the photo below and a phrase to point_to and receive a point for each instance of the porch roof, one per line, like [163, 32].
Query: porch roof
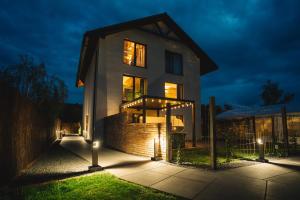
[156, 103]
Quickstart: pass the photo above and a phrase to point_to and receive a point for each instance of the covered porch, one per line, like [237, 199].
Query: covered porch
[151, 111]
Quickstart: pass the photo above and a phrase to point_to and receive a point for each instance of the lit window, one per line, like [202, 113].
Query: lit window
[134, 54]
[128, 57]
[133, 87]
[173, 90]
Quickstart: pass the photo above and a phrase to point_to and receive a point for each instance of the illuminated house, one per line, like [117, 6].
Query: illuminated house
[141, 66]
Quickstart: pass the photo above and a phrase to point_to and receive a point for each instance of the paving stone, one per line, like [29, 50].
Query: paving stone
[278, 191]
[292, 178]
[226, 187]
[180, 186]
[260, 171]
[145, 178]
[197, 175]
[168, 169]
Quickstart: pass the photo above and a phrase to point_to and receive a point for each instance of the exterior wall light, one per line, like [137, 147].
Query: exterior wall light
[261, 149]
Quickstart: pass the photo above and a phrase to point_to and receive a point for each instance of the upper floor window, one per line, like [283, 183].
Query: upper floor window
[173, 90]
[173, 63]
[134, 54]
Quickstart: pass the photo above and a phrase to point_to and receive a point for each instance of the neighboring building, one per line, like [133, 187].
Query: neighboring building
[261, 122]
[150, 62]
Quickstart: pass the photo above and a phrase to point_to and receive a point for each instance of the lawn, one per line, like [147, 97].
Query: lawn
[196, 156]
[201, 156]
[98, 186]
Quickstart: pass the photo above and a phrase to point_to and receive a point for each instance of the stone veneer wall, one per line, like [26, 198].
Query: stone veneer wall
[134, 138]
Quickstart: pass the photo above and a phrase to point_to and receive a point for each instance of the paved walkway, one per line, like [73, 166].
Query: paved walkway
[261, 181]
[57, 163]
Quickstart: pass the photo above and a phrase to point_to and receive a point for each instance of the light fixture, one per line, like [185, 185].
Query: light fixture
[259, 141]
[261, 149]
[96, 144]
[95, 148]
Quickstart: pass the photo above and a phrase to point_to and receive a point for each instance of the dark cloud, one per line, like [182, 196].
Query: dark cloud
[251, 41]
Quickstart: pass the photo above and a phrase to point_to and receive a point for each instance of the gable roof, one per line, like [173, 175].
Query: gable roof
[90, 38]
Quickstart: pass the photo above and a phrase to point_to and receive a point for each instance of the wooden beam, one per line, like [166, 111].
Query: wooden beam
[157, 34]
[159, 29]
[144, 110]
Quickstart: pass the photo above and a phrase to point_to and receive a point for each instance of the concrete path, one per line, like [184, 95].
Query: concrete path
[261, 181]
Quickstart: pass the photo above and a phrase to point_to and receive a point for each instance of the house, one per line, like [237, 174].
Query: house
[143, 67]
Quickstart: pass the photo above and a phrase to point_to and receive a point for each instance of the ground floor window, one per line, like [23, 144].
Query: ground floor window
[173, 90]
[133, 87]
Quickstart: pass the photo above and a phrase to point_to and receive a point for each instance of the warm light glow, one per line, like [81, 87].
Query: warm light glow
[96, 144]
[128, 57]
[127, 88]
[140, 55]
[134, 54]
[80, 83]
[171, 90]
[259, 141]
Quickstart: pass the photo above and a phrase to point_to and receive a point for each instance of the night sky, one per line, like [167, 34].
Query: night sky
[251, 41]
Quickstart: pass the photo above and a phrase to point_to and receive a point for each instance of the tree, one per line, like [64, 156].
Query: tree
[32, 81]
[272, 94]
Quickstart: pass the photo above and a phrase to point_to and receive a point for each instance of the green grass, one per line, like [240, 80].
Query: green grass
[99, 186]
[197, 156]
[201, 156]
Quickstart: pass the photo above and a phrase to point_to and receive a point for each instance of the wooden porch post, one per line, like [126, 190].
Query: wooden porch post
[213, 153]
[144, 110]
[285, 130]
[193, 122]
[168, 134]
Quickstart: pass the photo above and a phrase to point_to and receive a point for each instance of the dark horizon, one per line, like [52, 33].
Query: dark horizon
[250, 42]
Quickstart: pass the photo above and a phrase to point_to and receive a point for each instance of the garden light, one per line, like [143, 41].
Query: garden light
[95, 149]
[96, 145]
[259, 141]
[261, 149]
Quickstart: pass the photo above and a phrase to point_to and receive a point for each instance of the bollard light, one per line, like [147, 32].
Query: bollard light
[261, 149]
[95, 149]
[96, 145]
[259, 141]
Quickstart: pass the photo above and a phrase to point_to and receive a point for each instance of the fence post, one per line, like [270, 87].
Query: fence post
[168, 133]
[212, 127]
[285, 130]
[273, 134]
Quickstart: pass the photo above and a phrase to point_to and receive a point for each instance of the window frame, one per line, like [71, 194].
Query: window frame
[178, 86]
[181, 62]
[133, 93]
[134, 54]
